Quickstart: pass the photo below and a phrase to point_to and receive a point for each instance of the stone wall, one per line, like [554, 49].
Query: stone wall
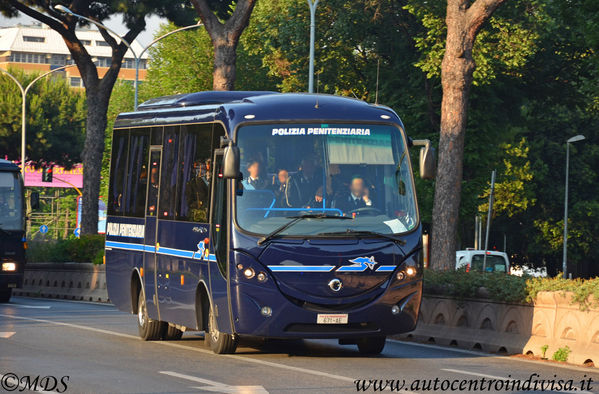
[511, 329]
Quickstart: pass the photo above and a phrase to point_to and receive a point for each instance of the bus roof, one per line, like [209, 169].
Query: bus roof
[235, 107]
[6, 165]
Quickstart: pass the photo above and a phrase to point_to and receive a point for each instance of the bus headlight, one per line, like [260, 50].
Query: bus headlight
[249, 273]
[9, 267]
[411, 271]
[266, 311]
[261, 277]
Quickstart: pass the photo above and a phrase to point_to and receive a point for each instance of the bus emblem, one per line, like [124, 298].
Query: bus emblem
[359, 264]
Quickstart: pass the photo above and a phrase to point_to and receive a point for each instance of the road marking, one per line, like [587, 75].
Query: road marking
[205, 351]
[482, 375]
[10, 380]
[24, 306]
[217, 387]
[483, 354]
[7, 334]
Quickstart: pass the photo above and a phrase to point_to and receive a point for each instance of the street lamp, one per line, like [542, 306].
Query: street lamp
[137, 58]
[24, 91]
[565, 260]
[312, 4]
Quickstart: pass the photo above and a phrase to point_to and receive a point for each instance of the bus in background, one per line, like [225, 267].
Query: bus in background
[266, 215]
[12, 229]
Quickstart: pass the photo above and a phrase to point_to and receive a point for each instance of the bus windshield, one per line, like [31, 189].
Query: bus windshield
[325, 171]
[11, 203]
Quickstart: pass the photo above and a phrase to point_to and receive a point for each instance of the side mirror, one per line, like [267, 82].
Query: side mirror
[428, 159]
[231, 162]
[34, 200]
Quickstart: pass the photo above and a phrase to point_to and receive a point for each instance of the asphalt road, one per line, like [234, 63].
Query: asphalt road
[94, 348]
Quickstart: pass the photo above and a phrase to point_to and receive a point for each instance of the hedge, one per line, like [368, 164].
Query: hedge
[508, 288]
[88, 248]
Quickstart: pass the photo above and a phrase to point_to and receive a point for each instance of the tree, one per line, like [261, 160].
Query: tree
[463, 21]
[55, 120]
[224, 35]
[97, 88]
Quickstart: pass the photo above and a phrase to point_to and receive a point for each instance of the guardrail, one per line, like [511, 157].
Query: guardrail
[72, 281]
[510, 329]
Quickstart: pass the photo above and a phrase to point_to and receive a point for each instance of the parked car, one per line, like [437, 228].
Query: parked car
[473, 260]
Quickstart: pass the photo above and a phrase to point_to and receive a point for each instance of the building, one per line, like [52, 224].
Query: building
[37, 48]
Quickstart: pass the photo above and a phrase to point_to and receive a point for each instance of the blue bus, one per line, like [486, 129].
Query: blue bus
[12, 229]
[262, 214]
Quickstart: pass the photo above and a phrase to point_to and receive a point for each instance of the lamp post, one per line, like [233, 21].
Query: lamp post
[24, 90]
[312, 4]
[565, 259]
[137, 58]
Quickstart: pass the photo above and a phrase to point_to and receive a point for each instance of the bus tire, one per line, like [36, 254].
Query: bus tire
[172, 333]
[371, 345]
[5, 295]
[149, 329]
[219, 342]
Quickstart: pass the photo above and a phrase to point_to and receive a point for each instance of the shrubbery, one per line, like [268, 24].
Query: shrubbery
[87, 249]
[507, 288]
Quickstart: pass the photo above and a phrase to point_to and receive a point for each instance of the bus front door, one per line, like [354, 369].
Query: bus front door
[219, 246]
[150, 277]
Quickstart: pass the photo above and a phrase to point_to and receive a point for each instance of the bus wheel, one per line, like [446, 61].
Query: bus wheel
[5, 295]
[219, 342]
[371, 345]
[172, 333]
[149, 330]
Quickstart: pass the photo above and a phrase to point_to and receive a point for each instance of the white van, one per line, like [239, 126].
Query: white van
[472, 260]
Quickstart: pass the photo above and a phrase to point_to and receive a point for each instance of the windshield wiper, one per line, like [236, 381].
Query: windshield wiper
[296, 219]
[350, 231]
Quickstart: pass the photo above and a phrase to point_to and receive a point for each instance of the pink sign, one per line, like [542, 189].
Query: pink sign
[60, 177]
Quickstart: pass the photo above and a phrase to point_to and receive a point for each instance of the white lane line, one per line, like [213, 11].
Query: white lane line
[204, 351]
[6, 334]
[11, 381]
[25, 306]
[482, 375]
[217, 386]
[497, 356]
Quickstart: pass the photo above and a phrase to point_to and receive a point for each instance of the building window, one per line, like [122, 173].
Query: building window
[23, 57]
[75, 82]
[86, 42]
[33, 39]
[102, 44]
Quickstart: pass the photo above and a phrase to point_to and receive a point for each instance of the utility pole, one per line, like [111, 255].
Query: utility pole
[489, 214]
[312, 4]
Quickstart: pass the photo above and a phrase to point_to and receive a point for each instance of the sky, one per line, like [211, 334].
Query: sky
[115, 23]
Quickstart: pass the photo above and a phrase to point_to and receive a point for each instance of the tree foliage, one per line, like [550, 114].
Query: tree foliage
[55, 116]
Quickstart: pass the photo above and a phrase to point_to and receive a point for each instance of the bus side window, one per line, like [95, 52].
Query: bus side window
[169, 173]
[137, 173]
[118, 171]
[197, 146]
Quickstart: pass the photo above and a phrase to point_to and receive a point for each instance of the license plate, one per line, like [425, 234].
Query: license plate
[325, 318]
[12, 285]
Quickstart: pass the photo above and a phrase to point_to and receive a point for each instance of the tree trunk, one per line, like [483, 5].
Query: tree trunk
[456, 77]
[93, 150]
[225, 57]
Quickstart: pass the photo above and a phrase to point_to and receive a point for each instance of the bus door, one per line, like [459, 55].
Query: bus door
[150, 278]
[219, 246]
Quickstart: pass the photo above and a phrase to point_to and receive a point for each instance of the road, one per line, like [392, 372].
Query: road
[97, 348]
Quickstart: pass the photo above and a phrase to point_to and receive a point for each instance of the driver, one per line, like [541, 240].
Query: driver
[358, 196]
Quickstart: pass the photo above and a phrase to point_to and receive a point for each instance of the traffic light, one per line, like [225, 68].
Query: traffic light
[47, 174]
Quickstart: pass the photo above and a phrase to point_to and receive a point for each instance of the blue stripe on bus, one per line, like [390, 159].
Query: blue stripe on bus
[125, 246]
[175, 252]
[386, 268]
[352, 268]
[301, 268]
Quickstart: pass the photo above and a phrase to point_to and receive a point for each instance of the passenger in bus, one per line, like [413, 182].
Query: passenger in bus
[254, 181]
[287, 191]
[358, 196]
[197, 193]
[309, 181]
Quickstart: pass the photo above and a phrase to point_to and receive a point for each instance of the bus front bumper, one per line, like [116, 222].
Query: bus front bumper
[393, 312]
[10, 280]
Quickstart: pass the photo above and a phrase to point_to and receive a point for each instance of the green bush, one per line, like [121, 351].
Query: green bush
[508, 288]
[87, 249]
[561, 354]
